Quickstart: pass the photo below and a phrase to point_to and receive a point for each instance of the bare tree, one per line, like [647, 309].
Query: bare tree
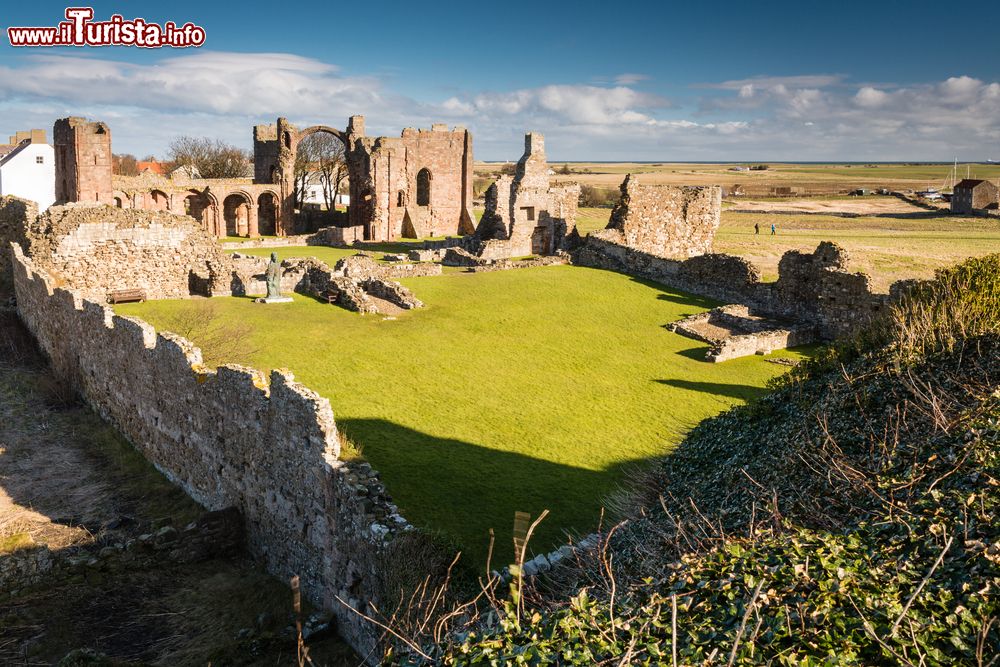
[320, 159]
[212, 159]
[124, 165]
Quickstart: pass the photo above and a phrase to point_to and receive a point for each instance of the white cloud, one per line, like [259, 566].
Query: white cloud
[629, 79]
[871, 98]
[797, 117]
[210, 82]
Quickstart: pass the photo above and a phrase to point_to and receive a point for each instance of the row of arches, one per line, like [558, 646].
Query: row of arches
[238, 214]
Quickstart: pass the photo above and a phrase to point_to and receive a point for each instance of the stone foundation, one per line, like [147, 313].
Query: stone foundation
[733, 331]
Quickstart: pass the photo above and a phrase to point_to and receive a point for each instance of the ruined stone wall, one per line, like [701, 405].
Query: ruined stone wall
[14, 216]
[524, 216]
[83, 161]
[95, 249]
[670, 221]
[417, 185]
[813, 287]
[232, 437]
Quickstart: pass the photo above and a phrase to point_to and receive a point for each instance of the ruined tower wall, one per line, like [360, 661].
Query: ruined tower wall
[389, 170]
[524, 215]
[667, 220]
[232, 437]
[83, 161]
[265, 153]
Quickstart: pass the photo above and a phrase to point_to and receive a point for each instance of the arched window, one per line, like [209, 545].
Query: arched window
[424, 187]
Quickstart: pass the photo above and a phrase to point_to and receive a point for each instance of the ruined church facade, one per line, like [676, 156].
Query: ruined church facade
[416, 185]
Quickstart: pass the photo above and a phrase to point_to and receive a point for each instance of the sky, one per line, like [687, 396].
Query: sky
[654, 81]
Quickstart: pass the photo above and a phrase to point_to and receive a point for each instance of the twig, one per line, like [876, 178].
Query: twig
[385, 627]
[743, 623]
[673, 630]
[895, 626]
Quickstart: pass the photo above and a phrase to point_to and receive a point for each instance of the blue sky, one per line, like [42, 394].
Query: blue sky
[667, 81]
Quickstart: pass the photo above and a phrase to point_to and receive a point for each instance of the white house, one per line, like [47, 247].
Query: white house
[29, 169]
[314, 191]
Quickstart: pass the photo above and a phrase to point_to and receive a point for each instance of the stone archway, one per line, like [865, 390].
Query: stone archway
[201, 206]
[289, 139]
[267, 214]
[236, 212]
[158, 200]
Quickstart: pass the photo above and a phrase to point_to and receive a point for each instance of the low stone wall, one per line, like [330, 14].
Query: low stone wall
[813, 288]
[230, 438]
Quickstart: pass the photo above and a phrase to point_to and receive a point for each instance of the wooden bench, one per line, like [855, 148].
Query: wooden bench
[331, 295]
[126, 295]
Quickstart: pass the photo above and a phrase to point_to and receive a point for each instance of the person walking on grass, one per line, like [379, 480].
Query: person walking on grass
[774, 229]
[756, 229]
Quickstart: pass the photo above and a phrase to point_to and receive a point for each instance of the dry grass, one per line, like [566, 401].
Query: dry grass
[815, 178]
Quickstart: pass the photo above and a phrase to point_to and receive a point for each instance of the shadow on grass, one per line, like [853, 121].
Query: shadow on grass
[741, 391]
[463, 489]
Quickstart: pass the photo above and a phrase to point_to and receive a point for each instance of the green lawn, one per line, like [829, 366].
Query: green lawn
[514, 390]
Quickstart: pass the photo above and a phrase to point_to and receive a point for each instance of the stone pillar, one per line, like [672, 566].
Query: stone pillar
[253, 226]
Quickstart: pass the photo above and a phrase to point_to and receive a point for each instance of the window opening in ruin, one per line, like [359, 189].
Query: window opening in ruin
[529, 211]
[424, 187]
[400, 199]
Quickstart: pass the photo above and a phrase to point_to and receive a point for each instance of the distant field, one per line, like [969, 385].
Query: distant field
[813, 177]
[887, 249]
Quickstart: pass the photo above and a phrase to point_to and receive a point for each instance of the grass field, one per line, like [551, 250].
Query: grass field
[515, 390]
[886, 248]
[818, 177]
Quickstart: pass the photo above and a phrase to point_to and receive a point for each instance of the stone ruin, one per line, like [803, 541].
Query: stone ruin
[417, 184]
[735, 331]
[524, 214]
[357, 283]
[96, 250]
[83, 161]
[667, 220]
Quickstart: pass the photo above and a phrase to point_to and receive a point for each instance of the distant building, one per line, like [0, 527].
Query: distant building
[972, 194]
[151, 167]
[315, 193]
[28, 169]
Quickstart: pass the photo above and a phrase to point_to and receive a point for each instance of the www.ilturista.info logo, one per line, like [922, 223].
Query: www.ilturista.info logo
[80, 30]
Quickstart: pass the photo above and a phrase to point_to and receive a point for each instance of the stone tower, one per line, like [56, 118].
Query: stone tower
[83, 161]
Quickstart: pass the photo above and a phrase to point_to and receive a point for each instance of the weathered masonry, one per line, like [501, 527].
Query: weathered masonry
[419, 184]
[83, 161]
[415, 185]
[525, 215]
[234, 437]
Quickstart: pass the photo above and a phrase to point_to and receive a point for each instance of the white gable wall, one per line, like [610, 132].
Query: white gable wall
[22, 175]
